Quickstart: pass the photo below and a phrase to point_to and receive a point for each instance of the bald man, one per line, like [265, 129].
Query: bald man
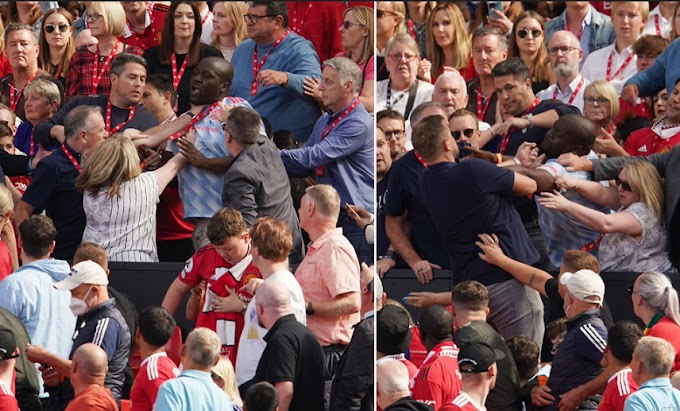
[293, 361]
[88, 370]
[565, 54]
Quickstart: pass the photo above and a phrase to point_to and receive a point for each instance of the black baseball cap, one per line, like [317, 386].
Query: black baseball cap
[394, 332]
[8, 344]
[477, 356]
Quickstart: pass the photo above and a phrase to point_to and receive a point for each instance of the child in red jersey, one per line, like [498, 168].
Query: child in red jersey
[622, 339]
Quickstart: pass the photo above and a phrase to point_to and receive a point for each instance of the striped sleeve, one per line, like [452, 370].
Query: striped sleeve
[106, 335]
[590, 342]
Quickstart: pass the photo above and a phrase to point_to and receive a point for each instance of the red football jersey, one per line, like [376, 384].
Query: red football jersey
[7, 400]
[438, 380]
[207, 264]
[462, 402]
[619, 387]
[155, 370]
[155, 17]
[645, 142]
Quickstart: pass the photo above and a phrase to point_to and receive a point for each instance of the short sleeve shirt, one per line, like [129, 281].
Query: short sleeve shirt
[330, 269]
[95, 398]
[155, 370]
[7, 400]
[438, 382]
[619, 387]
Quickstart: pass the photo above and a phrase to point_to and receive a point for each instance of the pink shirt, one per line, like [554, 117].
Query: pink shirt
[330, 269]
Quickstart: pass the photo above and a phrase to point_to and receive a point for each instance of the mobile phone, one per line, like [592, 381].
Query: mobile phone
[495, 5]
[351, 211]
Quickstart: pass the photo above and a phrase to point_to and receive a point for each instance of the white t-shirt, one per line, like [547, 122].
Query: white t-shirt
[252, 344]
[595, 66]
[400, 98]
[658, 21]
[207, 26]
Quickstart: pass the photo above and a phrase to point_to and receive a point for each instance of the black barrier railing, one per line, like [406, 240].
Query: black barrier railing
[398, 283]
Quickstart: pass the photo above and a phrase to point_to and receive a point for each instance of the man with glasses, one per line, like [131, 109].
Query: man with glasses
[616, 63]
[272, 67]
[391, 122]
[565, 54]
[464, 128]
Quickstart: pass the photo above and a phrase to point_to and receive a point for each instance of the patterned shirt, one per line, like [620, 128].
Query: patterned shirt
[81, 72]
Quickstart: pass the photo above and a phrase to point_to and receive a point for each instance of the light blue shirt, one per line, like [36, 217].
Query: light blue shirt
[655, 394]
[346, 154]
[193, 390]
[286, 107]
[30, 295]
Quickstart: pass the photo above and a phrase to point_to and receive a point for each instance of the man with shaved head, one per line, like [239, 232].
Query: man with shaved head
[565, 54]
[293, 361]
[88, 370]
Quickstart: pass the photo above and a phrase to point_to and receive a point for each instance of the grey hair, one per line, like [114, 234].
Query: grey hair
[78, 119]
[403, 39]
[20, 26]
[244, 125]
[391, 376]
[44, 88]
[657, 291]
[203, 347]
[347, 71]
[452, 76]
[656, 356]
[417, 113]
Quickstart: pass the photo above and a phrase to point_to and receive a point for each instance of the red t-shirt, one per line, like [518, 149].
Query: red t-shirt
[669, 331]
[437, 382]
[152, 34]
[5, 261]
[170, 222]
[619, 387]
[318, 24]
[207, 264]
[155, 370]
[627, 110]
[645, 141]
[462, 402]
[7, 400]
[604, 7]
[94, 398]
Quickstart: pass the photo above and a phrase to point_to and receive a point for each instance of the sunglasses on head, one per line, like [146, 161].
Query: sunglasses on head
[522, 33]
[49, 28]
[468, 132]
[625, 186]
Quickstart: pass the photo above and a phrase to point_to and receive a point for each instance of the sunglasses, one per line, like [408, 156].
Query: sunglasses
[49, 28]
[625, 186]
[347, 24]
[383, 13]
[522, 33]
[468, 132]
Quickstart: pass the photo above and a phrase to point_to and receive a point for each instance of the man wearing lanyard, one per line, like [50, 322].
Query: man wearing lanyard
[22, 52]
[340, 149]
[661, 19]
[206, 21]
[617, 63]
[144, 23]
[565, 54]
[272, 66]
[53, 186]
[120, 109]
[200, 182]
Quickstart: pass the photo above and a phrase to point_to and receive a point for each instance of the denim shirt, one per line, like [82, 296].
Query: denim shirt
[601, 30]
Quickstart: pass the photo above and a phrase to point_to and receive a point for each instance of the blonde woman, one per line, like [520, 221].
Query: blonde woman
[224, 376]
[635, 237]
[601, 106]
[389, 21]
[528, 43]
[447, 44]
[120, 201]
[9, 260]
[229, 26]
[90, 66]
[56, 43]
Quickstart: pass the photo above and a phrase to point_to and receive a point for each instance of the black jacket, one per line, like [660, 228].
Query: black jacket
[408, 404]
[352, 388]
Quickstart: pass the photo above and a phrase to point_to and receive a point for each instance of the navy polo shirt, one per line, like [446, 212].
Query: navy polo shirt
[53, 190]
[403, 195]
[533, 134]
[381, 233]
[469, 199]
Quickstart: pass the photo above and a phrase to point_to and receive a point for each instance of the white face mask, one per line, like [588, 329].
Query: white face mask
[79, 307]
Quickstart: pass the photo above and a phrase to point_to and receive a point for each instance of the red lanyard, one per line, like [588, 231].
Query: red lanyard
[321, 170]
[193, 121]
[97, 77]
[506, 136]
[573, 96]
[481, 112]
[13, 99]
[566, 26]
[625, 64]
[177, 76]
[298, 26]
[412, 30]
[70, 157]
[258, 67]
[656, 25]
[419, 158]
[31, 151]
[205, 18]
[108, 118]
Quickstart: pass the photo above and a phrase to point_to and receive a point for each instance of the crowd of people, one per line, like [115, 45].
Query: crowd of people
[234, 137]
[525, 147]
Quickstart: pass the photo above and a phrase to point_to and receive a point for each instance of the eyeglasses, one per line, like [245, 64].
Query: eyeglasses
[522, 33]
[468, 132]
[599, 100]
[347, 24]
[625, 185]
[383, 13]
[395, 134]
[92, 17]
[397, 57]
[254, 18]
[563, 49]
[49, 28]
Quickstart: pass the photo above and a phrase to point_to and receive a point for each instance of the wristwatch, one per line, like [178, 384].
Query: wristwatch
[530, 119]
[310, 309]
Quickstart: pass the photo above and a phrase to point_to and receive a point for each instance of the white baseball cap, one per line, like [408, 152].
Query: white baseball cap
[585, 285]
[85, 272]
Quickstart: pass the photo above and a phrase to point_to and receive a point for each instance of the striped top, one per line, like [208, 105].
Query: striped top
[126, 225]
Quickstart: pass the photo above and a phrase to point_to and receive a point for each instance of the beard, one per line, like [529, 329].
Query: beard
[564, 69]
